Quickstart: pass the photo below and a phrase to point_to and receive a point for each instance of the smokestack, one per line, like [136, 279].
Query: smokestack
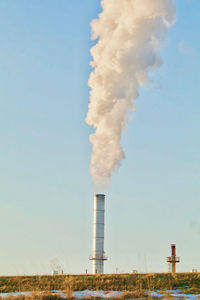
[98, 255]
[173, 259]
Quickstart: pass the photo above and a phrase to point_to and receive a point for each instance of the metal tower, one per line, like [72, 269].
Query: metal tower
[173, 259]
[98, 256]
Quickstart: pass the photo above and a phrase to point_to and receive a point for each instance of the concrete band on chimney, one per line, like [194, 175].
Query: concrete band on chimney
[98, 256]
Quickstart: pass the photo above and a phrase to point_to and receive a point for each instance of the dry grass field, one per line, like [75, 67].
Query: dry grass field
[115, 282]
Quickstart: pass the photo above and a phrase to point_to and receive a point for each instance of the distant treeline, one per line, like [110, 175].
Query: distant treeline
[119, 282]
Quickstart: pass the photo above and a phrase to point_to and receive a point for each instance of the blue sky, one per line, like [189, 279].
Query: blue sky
[46, 193]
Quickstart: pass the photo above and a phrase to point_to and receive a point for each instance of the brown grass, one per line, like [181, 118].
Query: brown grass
[34, 296]
[69, 295]
[132, 295]
[106, 282]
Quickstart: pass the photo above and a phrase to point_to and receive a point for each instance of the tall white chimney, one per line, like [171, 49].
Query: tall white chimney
[98, 255]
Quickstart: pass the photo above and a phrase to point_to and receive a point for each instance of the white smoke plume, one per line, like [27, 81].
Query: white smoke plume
[129, 34]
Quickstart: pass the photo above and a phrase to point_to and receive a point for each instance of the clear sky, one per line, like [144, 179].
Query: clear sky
[46, 193]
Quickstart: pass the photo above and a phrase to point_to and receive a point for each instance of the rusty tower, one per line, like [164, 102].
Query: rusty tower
[173, 259]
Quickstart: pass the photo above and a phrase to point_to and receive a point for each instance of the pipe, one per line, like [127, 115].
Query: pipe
[173, 255]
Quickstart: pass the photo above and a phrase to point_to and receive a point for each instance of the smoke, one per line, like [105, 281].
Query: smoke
[129, 34]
